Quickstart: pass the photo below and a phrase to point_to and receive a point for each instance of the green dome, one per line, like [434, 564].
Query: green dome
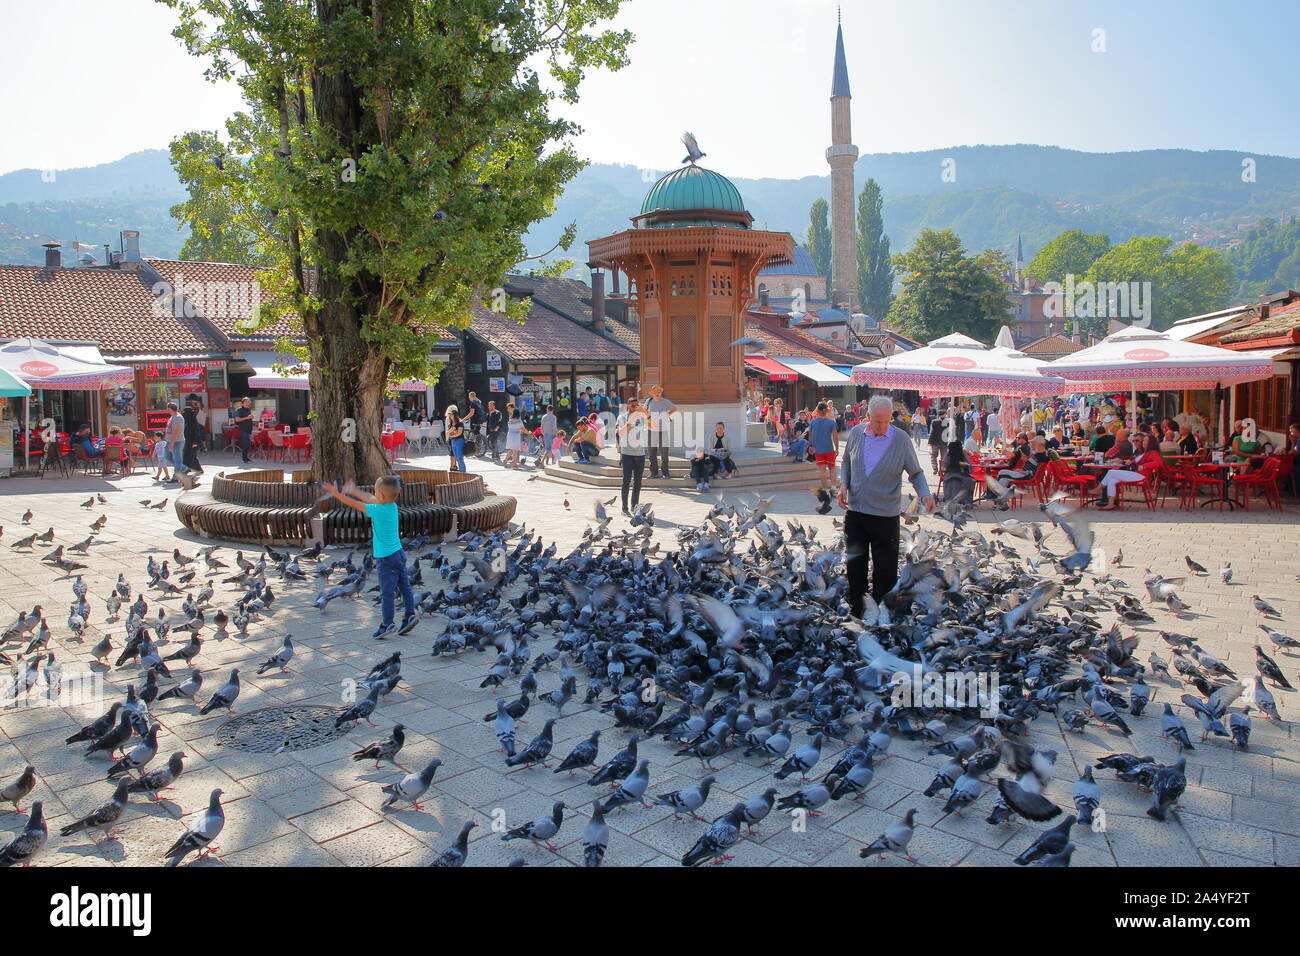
[693, 187]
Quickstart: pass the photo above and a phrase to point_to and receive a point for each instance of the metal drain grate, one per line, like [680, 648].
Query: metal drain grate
[296, 727]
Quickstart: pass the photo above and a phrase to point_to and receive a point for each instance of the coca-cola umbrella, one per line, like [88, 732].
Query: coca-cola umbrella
[42, 365]
[959, 365]
[1136, 358]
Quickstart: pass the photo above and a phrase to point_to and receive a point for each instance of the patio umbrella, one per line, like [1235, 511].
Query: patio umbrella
[1135, 358]
[959, 365]
[11, 386]
[42, 365]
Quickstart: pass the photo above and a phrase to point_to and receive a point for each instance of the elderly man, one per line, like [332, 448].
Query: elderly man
[660, 410]
[875, 456]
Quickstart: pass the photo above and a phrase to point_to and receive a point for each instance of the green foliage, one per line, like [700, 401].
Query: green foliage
[1070, 253]
[818, 242]
[875, 271]
[1267, 259]
[1187, 280]
[227, 224]
[945, 290]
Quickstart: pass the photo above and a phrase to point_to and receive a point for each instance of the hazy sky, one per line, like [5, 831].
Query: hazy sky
[88, 82]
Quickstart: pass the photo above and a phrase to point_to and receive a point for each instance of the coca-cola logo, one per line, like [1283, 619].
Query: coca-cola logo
[39, 369]
[955, 362]
[1146, 355]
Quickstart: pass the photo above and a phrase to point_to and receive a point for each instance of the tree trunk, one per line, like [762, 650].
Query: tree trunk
[348, 373]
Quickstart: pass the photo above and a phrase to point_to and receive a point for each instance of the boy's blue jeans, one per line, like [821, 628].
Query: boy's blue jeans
[392, 575]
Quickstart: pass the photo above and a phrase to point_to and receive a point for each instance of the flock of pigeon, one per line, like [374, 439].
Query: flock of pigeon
[734, 645]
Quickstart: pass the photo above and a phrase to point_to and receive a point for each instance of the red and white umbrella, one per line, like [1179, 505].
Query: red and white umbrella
[959, 365]
[1136, 358]
[44, 366]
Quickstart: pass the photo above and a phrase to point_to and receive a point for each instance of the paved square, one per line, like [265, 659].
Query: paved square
[318, 806]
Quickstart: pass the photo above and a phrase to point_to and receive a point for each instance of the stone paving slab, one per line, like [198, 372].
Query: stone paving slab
[320, 807]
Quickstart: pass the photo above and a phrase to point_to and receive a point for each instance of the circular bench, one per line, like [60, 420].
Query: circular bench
[261, 507]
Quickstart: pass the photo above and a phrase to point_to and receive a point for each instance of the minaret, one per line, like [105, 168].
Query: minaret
[841, 156]
[1020, 265]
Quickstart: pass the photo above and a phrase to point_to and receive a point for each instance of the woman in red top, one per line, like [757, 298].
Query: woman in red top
[1145, 463]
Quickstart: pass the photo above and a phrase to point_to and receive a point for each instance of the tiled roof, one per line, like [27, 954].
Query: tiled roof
[1051, 346]
[801, 264]
[546, 336]
[206, 282]
[1280, 322]
[112, 307]
[209, 282]
[794, 342]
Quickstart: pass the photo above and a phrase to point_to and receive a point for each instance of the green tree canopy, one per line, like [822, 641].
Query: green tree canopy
[945, 290]
[818, 242]
[1187, 280]
[392, 156]
[1070, 253]
[875, 271]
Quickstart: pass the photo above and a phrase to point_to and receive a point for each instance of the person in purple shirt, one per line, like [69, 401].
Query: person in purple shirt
[875, 457]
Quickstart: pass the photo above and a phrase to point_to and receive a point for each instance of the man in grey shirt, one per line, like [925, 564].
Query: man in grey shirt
[550, 425]
[871, 493]
[661, 411]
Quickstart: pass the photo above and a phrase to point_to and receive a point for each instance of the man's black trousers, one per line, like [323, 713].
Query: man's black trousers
[877, 537]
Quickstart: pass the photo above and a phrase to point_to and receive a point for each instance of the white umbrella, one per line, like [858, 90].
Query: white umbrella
[959, 365]
[42, 365]
[1135, 358]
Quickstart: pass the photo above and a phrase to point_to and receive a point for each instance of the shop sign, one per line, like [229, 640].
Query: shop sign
[474, 368]
[496, 385]
[493, 361]
[173, 370]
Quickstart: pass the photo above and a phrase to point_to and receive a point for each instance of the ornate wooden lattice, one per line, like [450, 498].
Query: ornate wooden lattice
[719, 341]
[683, 341]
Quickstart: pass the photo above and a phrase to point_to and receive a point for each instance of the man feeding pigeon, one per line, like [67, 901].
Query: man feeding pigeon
[871, 477]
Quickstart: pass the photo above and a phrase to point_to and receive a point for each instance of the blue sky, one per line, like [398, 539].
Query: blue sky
[926, 74]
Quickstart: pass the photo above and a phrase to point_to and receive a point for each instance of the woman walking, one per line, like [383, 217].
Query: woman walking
[455, 435]
[514, 439]
[632, 434]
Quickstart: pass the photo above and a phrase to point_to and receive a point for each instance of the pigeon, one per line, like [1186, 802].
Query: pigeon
[280, 658]
[160, 778]
[1279, 639]
[894, 839]
[201, 833]
[114, 738]
[802, 760]
[25, 847]
[187, 688]
[103, 817]
[632, 789]
[583, 755]
[1239, 727]
[1049, 842]
[721, 835]
[1170, 783]
[759, 806]
[1194, 566]
[1171, 728]
[225, 696]
[455, 854]
[101, 726]
[1268, 668]
[1087, 796]
[1023, 799]
[618, 766]
[139, 756]
[595, 837]
[411, 787]
[20, 788]
[538, 750]
[1263, 607]
[687, 800]
[361, 710]
[540, 830]
[693, 151]
[386, 749]
[1225, 572]
[810, 798]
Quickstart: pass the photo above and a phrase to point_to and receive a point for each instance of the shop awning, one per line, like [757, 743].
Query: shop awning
[844, 369]
[265, 376]
[817, 372]
[773, 369]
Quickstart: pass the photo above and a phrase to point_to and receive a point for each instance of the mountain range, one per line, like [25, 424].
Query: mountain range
[988, 194]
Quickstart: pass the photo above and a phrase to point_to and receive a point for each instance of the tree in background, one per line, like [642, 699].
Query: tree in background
[818, 242]
[1070, 253]
[875, 271]
[393, 154]
[945, 290]
[1267, 259]
[1189, 280]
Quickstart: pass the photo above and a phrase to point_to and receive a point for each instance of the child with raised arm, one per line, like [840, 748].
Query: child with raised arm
[390, 559]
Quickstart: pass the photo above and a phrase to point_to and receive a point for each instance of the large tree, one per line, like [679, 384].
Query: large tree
[1184, 281]
[818, 242]
[875, 271]
[392, 156]
[945, 290]
[226, 222]
[1070, 253]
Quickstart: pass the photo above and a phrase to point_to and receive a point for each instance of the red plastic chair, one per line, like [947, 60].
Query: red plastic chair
[1265, 479]
[1194, 479]
[298, 447]
[1147, 484]
[1077, 481]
